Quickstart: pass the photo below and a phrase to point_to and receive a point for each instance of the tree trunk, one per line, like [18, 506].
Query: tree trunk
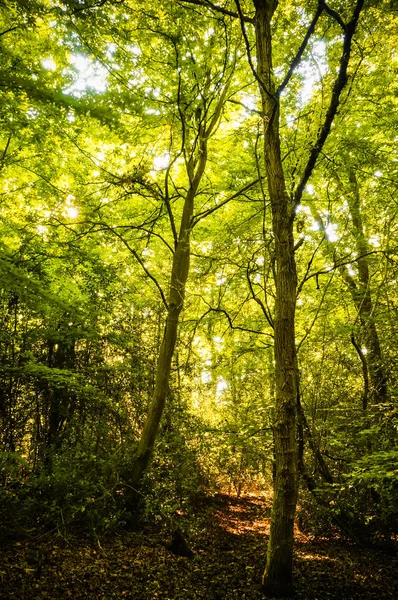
[277, 580]
[60, 402]
[362, 297]
[178, 279]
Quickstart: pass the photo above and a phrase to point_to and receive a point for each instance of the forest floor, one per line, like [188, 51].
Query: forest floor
[228, 540]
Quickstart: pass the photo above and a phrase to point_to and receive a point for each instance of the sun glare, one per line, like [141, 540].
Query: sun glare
[312, 70]
[72, 212]
[49, 64]
[161, 162]
[90, 75]
[331, 232]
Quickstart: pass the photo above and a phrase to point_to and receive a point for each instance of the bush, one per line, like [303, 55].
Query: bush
[81, 495]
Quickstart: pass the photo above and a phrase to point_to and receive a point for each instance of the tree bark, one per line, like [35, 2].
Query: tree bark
[277, 579]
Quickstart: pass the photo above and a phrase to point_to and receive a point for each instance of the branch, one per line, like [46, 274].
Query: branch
[298, 244]
[97, 4]
[343, 263]
[48, 181]
[338, 87]
[336, 458]
[58, 98]
[220, 9]
[9, 29]
[217, 113]
[302, 48]
[207, 212]
[332, 13]
[264, 308]
[4, 154]
[305, 278]
[252, 110]
[166, 193]
[307, 333]
[230, 322]
[323, 467]
[260, 178]
[134, 227]
[248, 52]
[139, 260]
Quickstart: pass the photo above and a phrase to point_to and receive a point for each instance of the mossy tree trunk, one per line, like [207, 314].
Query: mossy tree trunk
[278, 575]
[277, 580]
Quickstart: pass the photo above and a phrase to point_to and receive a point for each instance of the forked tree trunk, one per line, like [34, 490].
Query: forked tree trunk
[277, 578]
[178, 280]
[195, 166]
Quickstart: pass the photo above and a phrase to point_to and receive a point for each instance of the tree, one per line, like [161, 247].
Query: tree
[195, 152]
[278, 574]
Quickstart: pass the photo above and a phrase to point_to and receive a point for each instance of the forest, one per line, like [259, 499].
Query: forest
[198, 299]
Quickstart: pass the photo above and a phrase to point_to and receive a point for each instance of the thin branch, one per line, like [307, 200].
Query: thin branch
[97, 4]
[298, 244]
[338, 87]
[94, 161]
[199, 216]
[302, 48]
[365, 372]
[336, 458]
[48, 181]
[230, 322]
[261, 304]
[217, 8]
[4, 154]
[343, 263]
[139, 260]
[305, 278]
[9, 29]
[307, 333]
[252, 110]
[133, 227]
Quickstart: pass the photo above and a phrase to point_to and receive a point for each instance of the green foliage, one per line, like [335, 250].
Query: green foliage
[376, 466]
[103, 104]
[82, 495]
[374, 480]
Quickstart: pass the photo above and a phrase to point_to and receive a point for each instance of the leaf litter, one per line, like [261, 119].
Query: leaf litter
[228, 536]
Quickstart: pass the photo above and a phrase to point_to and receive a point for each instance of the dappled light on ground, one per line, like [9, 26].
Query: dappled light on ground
[245, 516]
[228, 536]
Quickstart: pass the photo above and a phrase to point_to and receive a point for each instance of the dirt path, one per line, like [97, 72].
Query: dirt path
[228, 536]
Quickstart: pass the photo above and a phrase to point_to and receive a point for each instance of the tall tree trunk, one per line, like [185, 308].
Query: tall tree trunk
[277, 578]
[362, 297]
[61, 402]
[178, 280]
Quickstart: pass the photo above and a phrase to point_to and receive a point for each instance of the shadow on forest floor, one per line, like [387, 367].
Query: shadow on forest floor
[228, 536]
